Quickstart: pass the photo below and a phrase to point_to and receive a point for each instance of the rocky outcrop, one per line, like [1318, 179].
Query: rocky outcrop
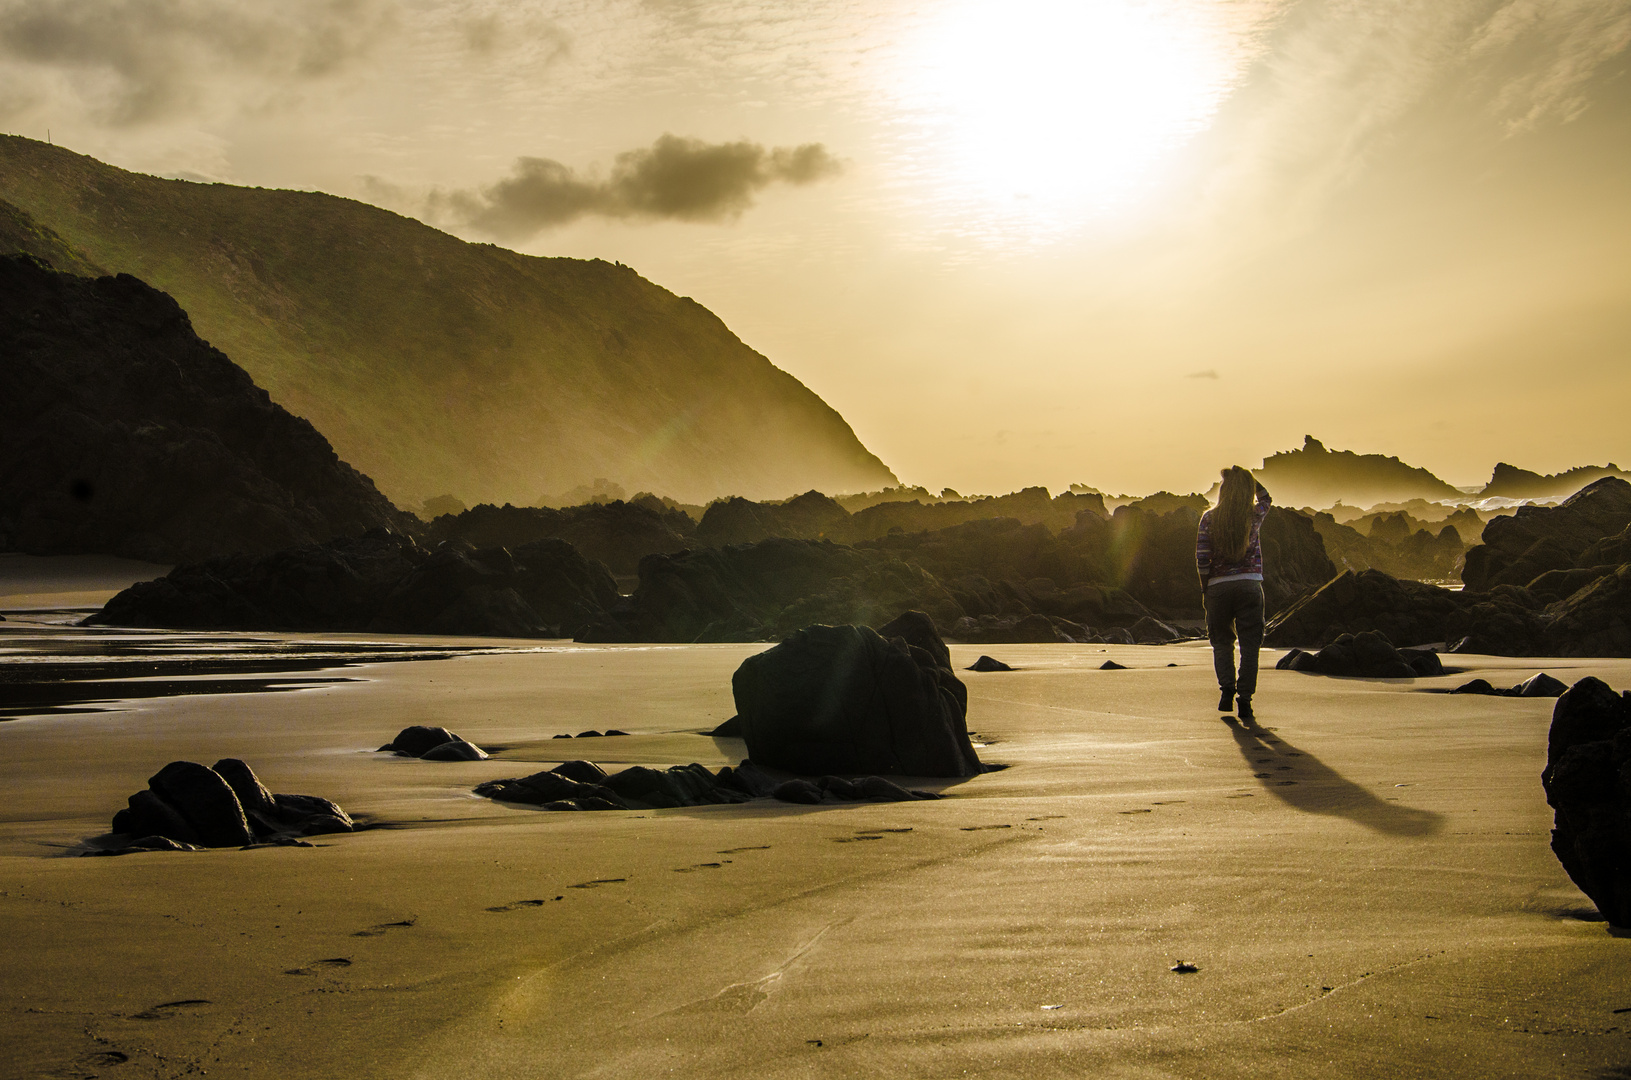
[849, 699]
[380, 582]
[1407, 612]
[187, 805]
[1315, 476]
[763, 591]
[1519, 548]
[811, 516]
[1368, 655]
[125, 434]
[1511, 482]
[1595, 620]
[618, 534]
[1588, 784]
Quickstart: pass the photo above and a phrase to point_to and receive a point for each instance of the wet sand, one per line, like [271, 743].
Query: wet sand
[1363, 883]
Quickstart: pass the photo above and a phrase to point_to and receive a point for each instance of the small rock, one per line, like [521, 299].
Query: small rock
[1111, 665]
[986, 663]
[455, 750]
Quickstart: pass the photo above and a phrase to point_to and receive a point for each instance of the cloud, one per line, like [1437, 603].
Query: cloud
[675, 179]
[1209, 373]
[1543, 55]
[138, 61]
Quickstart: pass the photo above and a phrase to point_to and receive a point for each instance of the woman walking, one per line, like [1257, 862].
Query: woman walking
[1229, 556]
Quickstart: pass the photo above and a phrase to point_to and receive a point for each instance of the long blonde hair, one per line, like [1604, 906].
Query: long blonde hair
[1232, 517]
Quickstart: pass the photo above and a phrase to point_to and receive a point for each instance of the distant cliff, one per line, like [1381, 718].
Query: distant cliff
[1315, 476]
[122, 433]
[435, 365]
[1511, 482]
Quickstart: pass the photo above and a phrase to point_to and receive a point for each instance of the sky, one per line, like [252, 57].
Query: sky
[1115, 242]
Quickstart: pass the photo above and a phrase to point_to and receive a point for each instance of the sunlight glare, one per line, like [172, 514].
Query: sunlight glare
[1038, 115]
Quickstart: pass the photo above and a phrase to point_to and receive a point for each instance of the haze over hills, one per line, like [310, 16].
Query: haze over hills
[434, 365]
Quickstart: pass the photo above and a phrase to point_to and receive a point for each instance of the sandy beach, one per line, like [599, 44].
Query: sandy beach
[1363, 883]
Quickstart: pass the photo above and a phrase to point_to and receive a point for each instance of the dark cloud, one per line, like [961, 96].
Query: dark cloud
[675, 179]
[150, 59]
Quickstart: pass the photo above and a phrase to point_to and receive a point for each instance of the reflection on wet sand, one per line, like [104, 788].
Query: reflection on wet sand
[1304, 782]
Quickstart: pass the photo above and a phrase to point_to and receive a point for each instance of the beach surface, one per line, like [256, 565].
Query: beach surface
[1362, 882]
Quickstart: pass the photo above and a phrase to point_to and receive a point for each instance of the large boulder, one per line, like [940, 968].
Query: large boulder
[189, 805]
[1368, 654]
[844, 699]
[1407, 612]
[1596, 620]
[1588, 783]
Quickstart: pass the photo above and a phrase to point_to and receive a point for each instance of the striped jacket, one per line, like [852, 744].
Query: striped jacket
[1249, 565]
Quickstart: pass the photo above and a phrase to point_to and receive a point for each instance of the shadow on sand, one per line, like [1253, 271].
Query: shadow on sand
[1302, 781]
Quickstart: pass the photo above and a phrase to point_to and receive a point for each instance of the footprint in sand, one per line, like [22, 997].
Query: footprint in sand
[519, 904]
[384, 928]
[982, 828]
[753, 847]
[1241, 796]
[853, 839]
[320, 965]
[699, 866]
[597, 883]
[1262, 775]
[169, 1009]
[103, 1059]
[1146, 811]
[1047, 817]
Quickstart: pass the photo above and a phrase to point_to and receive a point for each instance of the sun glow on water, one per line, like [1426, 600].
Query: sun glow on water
[1030, 117]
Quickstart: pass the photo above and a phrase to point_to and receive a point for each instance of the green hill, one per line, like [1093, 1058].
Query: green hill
[434, 365]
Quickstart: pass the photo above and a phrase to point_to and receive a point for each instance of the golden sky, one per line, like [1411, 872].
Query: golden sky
[1121, 242]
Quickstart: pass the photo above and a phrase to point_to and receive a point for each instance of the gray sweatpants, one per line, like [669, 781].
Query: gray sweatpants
[1235, 608]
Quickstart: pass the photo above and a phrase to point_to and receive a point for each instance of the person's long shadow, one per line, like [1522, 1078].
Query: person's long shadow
[1303, 781]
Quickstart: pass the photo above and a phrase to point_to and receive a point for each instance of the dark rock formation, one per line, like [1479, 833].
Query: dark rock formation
[617, 533]
[415, 740]
[987, 663]
[730, 729]
[755, 592]
[1511, 482]
[1537, 685]
[1368, 654]
[1315, 476]
[1519, 548]
[188, 805]
[1295, 562]
[580, 785]
[1588, 783]
[811, 516]
[380, 582]
[1407, 612]
[843, 699]
[125, 434]
[1596, 620]
[1395, 545]
[1111, 665]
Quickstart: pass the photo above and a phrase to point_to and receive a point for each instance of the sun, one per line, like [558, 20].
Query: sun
[1037, 114]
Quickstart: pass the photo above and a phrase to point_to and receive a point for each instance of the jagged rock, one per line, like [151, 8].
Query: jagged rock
[1595, 621]
[580, 785]
[798, 790]
[1407, 612]
[379, 582]
[123, 433]
[1368, 655]
[226, 806]
[986, 663]
[1587, 784]
[1149, 631]
[1520, 547]
[842, 699]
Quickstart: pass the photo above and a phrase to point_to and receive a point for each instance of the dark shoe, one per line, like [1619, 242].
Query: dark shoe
[1245, 710]
[1226, 703]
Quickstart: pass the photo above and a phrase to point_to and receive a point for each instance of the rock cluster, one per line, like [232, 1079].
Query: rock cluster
[583, 785]
[379, 582]
[1368, 654]
[1587, 531]
[433, 744]
[850, 699]
[125, 434]
[1537, 685]
[1588, 783]
[618, 534]
[186, 806]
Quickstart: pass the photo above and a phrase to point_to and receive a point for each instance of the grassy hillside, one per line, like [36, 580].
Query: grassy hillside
[434, 365]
